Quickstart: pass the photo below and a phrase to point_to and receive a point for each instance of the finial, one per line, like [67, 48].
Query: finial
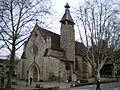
[67, 6]
[67, 16]
[37, 21]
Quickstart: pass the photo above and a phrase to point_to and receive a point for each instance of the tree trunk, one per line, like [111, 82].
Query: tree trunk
[11, 67]
[114, 70]
[97, 74]
[8, 86]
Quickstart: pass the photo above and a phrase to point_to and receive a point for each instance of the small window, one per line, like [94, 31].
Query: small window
[36, 34]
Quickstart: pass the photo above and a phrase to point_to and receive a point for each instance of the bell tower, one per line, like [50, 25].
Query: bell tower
[67, 37]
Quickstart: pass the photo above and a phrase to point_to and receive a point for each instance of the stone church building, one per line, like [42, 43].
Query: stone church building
[49, 56]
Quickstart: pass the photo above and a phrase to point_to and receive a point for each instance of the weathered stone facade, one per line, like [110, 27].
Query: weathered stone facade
[49, 56]
[67, 40]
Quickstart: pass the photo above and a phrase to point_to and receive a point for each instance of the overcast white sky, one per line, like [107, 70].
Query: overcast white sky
[58, 11]
[58, 8]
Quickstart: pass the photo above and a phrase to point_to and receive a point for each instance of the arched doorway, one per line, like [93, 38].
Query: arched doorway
[34, 73]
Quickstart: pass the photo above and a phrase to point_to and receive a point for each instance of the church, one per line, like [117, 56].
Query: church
[48, 56]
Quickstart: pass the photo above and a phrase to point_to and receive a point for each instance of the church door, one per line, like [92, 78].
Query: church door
[35, 74]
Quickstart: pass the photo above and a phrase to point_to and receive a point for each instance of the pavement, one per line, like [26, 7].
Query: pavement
[21, 85]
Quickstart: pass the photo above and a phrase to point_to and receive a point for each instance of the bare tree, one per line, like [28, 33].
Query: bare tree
[16, 17]
[100, 31]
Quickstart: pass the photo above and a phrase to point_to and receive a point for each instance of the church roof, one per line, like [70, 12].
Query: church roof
[67, 16]
[55, 38]
[55, 42]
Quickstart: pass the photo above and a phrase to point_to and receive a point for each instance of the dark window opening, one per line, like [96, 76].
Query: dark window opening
[106, 70]
[68, 22]
[36, 34]
[76, 64]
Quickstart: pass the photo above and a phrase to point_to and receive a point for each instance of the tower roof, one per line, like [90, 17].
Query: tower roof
[67, 16]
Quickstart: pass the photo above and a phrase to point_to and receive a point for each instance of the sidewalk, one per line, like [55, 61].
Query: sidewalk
[21, 85]
[92, 81]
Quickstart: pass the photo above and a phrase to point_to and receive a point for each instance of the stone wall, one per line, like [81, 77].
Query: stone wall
[51, 68]
[79, 66]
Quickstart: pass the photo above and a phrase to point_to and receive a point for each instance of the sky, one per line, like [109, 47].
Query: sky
[58, 11]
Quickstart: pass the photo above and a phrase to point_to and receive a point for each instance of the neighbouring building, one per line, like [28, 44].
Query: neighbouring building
[49, 56]
[4, 67]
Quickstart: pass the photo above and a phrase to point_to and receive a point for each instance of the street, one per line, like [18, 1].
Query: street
[108, 86]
